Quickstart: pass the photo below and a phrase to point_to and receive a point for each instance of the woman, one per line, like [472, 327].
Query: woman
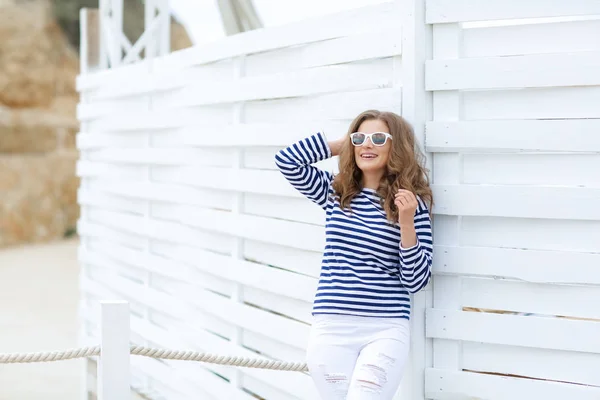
[378, 250]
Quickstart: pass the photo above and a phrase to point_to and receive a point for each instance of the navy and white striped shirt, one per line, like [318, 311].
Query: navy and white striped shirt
[365, 271]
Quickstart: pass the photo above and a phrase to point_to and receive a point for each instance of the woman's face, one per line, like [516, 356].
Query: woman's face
[371, 158]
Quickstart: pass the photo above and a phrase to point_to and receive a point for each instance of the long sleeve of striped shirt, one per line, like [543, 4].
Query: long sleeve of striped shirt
[295, 161]
[415, 261]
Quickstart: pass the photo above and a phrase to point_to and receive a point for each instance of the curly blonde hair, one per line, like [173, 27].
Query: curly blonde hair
[405, 167]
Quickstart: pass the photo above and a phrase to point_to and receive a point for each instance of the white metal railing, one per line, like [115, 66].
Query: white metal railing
[114, 48]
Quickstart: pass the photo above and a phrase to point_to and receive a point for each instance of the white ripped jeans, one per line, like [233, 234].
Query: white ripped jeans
[357, 358]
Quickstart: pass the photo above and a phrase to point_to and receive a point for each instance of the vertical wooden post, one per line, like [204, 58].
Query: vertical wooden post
[83, 41]
[237, 253]
[417, 107]
[114, 363]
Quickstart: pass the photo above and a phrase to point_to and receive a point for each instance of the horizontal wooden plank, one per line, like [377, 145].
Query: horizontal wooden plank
[381, 41]
[96, 140]
[89, 229]
[193, 265]
[280, 232]
[165, 274]
[523, 233]
[550, 266]
[99, 199]
[284, 330]
[525, 71]
[182, 156]
[235, 180]
[559, 333]
[544, 299]
[187, 225]
[110, 170]
[152, 121]
[518, 39]
[448, 11]
[551, 169]
[530, 103]
[292, 259]
[98, 225]
[264, 299]
[572, 203]
[555, 365]
[318, 80]
[271, 348]
[576, 135]
[452, 385]
[141, 192]
[335, 106]
[279, 207]
[247, 135]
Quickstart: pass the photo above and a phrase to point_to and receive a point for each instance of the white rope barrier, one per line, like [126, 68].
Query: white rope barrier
[115, 350]
[183, 355]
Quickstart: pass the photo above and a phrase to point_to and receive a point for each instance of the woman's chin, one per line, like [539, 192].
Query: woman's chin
[369, 168]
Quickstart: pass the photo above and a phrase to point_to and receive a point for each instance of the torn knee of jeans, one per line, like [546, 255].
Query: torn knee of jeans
[371, 378]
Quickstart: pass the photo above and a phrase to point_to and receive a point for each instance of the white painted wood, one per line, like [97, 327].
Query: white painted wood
[550, 266]
[565, 367]
[525, 71]
[164, 157]
[559, 333]
[543, 299]
[113, 368]
[532, 103]
[416, 107]
[103, 140]
[100, 199]
[329, 79]
[445, 11]
[452, 385]
[381, 43]
[558, 169]
[570, 203]
[298, 310]
[284, 233]
[270, 348]
[531, 38]
[447, 106]
[515, 136]
[83, 40]
[278, 207]
[247, 135]
[535, 234]
[177, 172]
[296, 260]
[317, 29]
[232, 179]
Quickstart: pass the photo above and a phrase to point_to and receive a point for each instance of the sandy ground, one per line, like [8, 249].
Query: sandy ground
[38, 312]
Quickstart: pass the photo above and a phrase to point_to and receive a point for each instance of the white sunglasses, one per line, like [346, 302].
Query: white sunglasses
[377, 138]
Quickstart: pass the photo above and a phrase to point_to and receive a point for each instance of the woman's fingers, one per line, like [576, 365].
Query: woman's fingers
[407, 194]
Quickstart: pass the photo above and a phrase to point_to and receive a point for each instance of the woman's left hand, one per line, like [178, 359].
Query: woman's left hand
[406, 202]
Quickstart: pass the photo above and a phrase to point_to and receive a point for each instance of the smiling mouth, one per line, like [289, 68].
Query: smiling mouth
[368, 156]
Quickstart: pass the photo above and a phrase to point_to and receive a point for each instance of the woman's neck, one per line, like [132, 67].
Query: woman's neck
[372, 180]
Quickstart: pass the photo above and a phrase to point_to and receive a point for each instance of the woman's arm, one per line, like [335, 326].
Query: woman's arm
[416, 244]
[294, 162]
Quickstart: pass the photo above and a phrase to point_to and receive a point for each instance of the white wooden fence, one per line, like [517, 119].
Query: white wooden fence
[185, 217]
[515, 138]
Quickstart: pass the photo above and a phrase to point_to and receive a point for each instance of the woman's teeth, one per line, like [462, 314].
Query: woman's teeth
[368, 155]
